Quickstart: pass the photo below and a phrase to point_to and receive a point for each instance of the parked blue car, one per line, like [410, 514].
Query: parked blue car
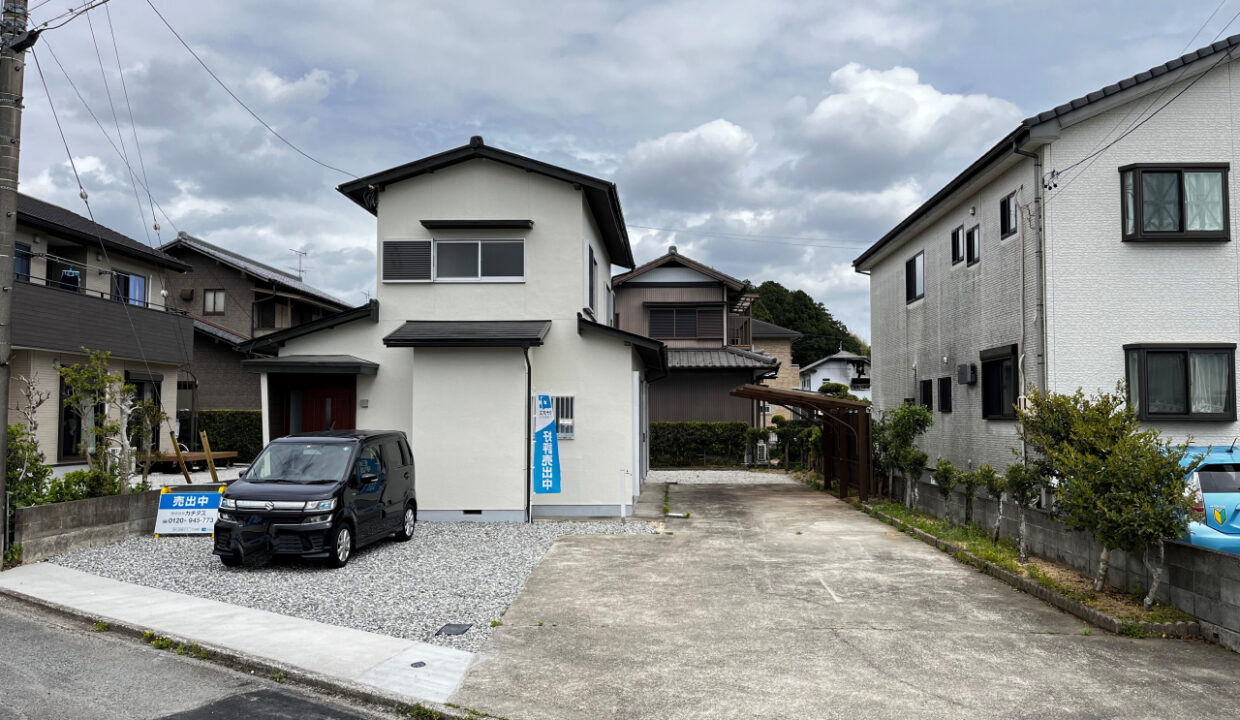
[1216, 483]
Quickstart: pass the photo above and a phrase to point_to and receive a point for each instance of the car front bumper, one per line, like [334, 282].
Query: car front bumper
[258, 534]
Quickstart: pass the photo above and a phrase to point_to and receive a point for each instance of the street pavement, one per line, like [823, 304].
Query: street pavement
[781, 601]
[52, 668]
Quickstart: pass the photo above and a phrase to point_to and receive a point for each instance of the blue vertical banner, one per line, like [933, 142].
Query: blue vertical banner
[546, 448]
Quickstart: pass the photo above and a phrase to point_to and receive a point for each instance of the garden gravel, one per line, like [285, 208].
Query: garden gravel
[448, 573]
[724, 477]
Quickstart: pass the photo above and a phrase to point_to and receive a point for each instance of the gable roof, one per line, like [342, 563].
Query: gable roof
[841, 355]
[1047, 123]
[600, 195]
[763, 329]
[368, 311]
[673, 257]
[254, 268]
[55, 220]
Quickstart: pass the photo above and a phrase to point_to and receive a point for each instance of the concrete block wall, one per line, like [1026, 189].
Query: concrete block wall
[1202, 582]
[48, 530]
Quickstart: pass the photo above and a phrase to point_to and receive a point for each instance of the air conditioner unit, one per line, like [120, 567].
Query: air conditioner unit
[966, 374]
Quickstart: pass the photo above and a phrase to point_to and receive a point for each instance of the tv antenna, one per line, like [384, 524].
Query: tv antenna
[301, 271]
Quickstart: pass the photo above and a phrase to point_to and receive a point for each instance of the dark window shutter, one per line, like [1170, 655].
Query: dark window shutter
[710, 323]
[406, 260]
[662, 323]
[686, 323]
[945, 394]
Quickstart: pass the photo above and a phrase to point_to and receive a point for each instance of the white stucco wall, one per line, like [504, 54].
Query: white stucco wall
[836, 371]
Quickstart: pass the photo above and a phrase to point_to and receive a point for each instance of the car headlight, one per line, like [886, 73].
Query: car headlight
[226, 517]
[227, 503]
[320, 505]
[316, 518]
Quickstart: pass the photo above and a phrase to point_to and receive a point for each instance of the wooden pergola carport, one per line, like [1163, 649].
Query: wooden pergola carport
[845, 432]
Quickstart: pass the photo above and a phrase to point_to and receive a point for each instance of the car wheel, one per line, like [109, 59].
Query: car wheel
[407, 525]
[231, 560]
[342, 546]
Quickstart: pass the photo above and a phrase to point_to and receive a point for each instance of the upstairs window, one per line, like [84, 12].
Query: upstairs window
[1182, 382]
[593, 285]
[480, 260]
[21, 262]
[130, 288]
[1007, 216]
[925, 394]
[686, 323]
[958, 245]
[973, 241]
[1175, 202]
[213, 302]
[915, 278]
[945, 394]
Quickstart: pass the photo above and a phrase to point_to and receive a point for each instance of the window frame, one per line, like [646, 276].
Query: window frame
[958, 245]
[973, 245]
[910, 286]
[695, 310]
[1008, 223]
[1139, 234]
[1142, 381]
[1003, 353]
[560, 403]
[22, 254]
[945, 394]
[480, 278]
[925, 393]
[223, 303]
[410, 245]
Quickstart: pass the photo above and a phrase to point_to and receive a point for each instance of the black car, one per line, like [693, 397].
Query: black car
[319, 495]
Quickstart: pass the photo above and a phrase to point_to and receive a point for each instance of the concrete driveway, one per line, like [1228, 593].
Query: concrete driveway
[735, 615]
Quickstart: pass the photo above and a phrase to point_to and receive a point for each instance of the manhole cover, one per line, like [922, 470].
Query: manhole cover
[453, 629]
[418, 664]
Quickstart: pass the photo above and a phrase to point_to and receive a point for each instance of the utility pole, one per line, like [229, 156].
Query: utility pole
[14, 41]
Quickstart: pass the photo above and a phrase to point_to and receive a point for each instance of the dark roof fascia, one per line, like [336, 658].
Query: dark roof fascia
[601, 195]
[369, 310]
[1018, 137]
[764, 329]
[686, 303]
[152, 256]
[652, 352]
[515, 340]
[328, 364]
[733, 284]
[478, 224]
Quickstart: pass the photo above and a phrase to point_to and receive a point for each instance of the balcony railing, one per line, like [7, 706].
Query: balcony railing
[739, 330]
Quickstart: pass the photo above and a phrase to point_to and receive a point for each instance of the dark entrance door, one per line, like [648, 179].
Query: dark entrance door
[307, 403]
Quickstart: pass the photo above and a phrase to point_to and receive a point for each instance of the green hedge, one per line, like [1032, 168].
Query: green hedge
[690, 444]
[239, 430]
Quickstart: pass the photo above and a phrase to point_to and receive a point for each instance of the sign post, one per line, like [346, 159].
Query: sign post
[546, 470]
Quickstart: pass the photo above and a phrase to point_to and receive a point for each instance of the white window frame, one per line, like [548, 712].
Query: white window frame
[479, 242]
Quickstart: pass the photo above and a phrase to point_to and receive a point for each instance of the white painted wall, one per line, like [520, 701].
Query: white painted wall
[836, 371]
[674, 274]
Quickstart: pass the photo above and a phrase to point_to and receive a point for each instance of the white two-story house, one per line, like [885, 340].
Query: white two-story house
[845, 368]
[1091, 245]
[493, 286]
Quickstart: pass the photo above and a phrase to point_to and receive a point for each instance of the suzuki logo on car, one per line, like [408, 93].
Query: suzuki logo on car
[272, 506]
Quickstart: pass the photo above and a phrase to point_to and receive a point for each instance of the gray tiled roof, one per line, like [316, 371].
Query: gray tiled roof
[473, 333]
[215, 331]
[254, 268]
[728, 357]
[761, 329]
[55, 219]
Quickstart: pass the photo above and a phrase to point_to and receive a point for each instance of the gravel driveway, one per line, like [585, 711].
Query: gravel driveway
[721, 477]
[448, 573]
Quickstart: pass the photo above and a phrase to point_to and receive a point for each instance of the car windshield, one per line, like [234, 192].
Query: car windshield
[306, 462]
[1219, 478]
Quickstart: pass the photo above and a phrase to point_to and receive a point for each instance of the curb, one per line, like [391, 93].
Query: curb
[374, 698]
[1097, 618]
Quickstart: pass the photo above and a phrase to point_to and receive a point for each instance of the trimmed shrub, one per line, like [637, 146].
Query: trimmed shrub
[690, 444]
[27, 473]
[81, 484]
[239, 430]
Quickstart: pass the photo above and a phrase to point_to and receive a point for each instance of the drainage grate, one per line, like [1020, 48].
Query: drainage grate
[418, 664]
[453, 629]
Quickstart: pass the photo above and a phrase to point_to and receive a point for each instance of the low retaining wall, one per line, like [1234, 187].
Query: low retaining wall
[1202, 582]
[48, 530]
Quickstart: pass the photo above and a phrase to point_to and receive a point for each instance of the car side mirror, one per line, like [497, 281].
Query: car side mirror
[368, 478]
[241, 475]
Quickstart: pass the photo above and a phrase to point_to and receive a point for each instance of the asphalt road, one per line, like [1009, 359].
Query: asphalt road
[52, 668]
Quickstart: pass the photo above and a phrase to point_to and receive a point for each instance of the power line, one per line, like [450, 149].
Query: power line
[776, 239]
[132, 124]
[233, 95]
[69, 15]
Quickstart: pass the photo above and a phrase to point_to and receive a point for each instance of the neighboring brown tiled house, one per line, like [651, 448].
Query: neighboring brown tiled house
[232, 300]
[703, 316]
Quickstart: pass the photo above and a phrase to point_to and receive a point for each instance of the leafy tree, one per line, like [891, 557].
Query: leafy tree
[1024, 485]
[971, 483]
[821, 333]
[27, 472]
[945, 477]
[836, 390]
[895, 449]
[91, 389]
[995, 486]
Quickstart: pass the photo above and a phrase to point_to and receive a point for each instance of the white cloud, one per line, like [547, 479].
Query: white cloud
[312, 87]
[699, 168]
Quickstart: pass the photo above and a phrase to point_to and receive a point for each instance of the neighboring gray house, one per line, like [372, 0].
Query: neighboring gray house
[846, 368]
[1092, 244]
[232, 300]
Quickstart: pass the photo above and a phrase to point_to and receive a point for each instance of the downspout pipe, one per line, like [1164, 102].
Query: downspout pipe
[529, 430]
[1040, 284]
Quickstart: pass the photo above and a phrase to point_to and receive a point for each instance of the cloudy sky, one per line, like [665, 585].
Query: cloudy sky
[774, 140]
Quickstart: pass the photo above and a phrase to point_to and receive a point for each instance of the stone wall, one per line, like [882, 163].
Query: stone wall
[48, 530]
[789, 376]
[1202, 582]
